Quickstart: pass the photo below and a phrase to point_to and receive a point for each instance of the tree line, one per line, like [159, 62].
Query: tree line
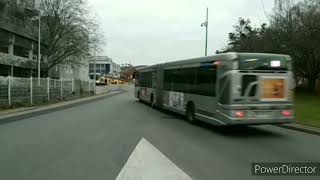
[293, 30]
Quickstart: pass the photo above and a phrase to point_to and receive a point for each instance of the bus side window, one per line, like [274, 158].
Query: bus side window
[154, 79]
[177, 80]
[224, 93]
[189, 80]
[206, 81]
[168, 80]
[181, 80]
[137, 81]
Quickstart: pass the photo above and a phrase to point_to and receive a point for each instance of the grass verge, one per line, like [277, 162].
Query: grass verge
[307, 109]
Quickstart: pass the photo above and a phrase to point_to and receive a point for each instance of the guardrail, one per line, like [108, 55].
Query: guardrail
[15, 91]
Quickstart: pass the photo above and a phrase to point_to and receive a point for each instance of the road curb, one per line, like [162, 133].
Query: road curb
[12, 117]
[302, 128]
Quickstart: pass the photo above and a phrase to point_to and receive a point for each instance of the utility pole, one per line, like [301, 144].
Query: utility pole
[95, 73]
[39, 47]
[205, 24]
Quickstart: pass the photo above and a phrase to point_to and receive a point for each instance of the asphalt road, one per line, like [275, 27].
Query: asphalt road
[101, 89]
[93, 142]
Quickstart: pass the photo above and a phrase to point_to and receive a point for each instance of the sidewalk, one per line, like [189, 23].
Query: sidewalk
[106, 89]
[302, 128]
[11, 115]
[16, 110]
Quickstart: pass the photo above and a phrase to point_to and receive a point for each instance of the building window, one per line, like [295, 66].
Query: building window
[107, 68]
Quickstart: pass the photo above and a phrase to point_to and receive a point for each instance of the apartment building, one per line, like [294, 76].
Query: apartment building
[104, 66]
[19, 39]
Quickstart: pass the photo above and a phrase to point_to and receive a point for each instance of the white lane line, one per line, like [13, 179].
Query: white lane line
[147, 163]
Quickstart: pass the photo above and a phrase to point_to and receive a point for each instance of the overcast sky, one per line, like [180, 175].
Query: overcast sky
[153, 31]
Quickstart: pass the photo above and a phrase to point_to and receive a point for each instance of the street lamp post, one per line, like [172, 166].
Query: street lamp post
[39, 46]
[94, 75]
[205, 24]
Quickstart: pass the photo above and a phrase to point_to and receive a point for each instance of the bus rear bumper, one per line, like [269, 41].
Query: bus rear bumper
[259, 121]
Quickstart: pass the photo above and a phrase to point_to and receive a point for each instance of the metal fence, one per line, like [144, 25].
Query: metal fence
[15, 91]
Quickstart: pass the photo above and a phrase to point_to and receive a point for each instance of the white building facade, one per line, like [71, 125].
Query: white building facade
[71, 71]
[104, 66]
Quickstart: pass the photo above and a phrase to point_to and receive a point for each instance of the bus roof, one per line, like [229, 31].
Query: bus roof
[262, 55]
[230, 56]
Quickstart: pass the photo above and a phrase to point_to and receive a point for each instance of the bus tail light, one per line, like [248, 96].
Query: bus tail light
[217, 63]
[239, 114]
[286, 113]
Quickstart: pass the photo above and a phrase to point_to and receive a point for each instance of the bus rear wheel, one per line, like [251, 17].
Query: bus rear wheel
[190, 114]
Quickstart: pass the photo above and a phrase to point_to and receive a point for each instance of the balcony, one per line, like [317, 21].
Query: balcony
[22, 62]
[26, 29]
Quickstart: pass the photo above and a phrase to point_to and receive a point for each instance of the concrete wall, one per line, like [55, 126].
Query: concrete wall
[20, 66]
[18, 61]
[81, 72]
[77, 71]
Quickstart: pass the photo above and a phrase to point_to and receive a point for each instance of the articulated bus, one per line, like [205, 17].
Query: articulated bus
[224, 89]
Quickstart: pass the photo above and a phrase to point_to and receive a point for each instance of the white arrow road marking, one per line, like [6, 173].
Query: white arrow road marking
[147, 163]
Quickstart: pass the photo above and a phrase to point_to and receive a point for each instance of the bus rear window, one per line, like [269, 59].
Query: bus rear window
[264, 63]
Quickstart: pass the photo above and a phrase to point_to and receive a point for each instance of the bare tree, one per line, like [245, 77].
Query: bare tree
[68, 31]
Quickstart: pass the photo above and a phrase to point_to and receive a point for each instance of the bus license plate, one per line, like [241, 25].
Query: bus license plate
[261, 114]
